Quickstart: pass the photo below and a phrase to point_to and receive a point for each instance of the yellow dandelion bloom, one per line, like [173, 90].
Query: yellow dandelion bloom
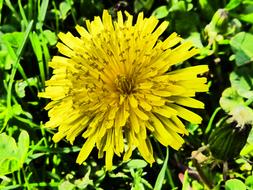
[113, 85]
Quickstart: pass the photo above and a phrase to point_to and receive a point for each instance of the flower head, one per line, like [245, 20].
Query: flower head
[113, 85]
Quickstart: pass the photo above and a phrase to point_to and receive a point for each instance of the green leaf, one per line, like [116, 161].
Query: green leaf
[248, 148]
[242, 81]
[23, 146]
[178, 6]
[192, 128]
[250, 138]
[13, 155]
[186, 23]
[50, 36]
[140, 5]
[16, 109]
[161, 175]
[1, 6]
[230, 99]
[186, 183]
[5, 60]
[250, 2]
[196, 185]
[246, 17]
[67, 185]
[233, 4]
[161, 12]
[43, 11]
[8, 154]
[234, 184]
[195, 38]
[137, 163]
[206, 8]
[249, 182]
[64, 10]
[13, 40]
[20, 86]
[241, 45]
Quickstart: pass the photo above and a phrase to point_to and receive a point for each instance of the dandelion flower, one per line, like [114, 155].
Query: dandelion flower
[114, 86]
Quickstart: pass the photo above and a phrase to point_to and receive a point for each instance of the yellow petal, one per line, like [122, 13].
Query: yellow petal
[161, 29]
[128, 153]
[145, 105]
[108, 158]
[132, 100]
[161, 93]
[186, 101]
[188, 73]
[112, 113]
[165, 136]
[58, 136]
[179, 124]
[171, 41]
[169, 124]
[140, 114]
[186, 114]
[86, 149]
[65, 50]
[134, 122]
[81, 30]
[146, 150]
[165, 111]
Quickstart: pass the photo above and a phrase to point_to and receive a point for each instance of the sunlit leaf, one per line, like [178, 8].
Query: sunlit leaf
[13, 155]
[64, 10]
[249, 182]
[242, 81]
[136, 163]
[233, 4]
[50, 36]
[23, 146]
[142, 5]
[161, 12]
[248, 148]
[67, 185]
[246, 17]
[230, 99]
[234, 184]
[22, 84]
[241, 45]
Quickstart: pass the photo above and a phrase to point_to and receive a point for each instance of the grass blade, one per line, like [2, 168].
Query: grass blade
[15, 66]
[161, 176]
[42, 11]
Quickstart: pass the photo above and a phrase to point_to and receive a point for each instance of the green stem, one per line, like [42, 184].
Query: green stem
[19, 178]
[8, 3]
[210, 123]
[45, 53]
[14, 182]
[44, 184]
[72, 11]
[44, 136]
[56, 18]
[23, 120]
[26, 181]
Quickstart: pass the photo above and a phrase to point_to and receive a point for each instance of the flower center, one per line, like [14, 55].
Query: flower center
[124, 84]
